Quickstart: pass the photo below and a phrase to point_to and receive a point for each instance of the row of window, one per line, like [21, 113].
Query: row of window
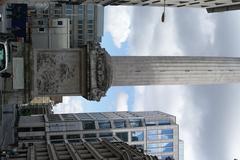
[107, 124]
[122, 124]
[135, 136]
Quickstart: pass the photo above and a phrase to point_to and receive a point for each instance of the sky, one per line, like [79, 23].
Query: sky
[207, 115]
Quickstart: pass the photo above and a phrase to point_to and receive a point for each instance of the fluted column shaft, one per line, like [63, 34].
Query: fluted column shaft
[156, 70]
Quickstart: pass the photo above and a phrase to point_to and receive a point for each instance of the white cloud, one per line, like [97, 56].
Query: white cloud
[118, 23]
[69, 105]
[122, 102]
[204, 114]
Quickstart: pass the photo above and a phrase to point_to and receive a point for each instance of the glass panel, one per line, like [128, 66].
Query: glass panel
[152, 137]
[106, 134]
[135, 123]
[123, 136]
[150, 123]
[56, 137]
[74, 141]
[88, 124]
[164, 122]
[89, 135]
[73, 136]
[91, 139]
[120, 124]
[98, 115]
[84, 116]
[168, 149]
[104, 124]
[152, 145]
[160, 145]
[152, 131]
[166, 131]
[160, 134]
[167, 144]
[68, 11]
[170, 136]
[138, 136]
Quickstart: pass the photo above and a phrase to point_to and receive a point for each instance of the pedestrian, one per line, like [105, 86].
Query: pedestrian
[5, 75]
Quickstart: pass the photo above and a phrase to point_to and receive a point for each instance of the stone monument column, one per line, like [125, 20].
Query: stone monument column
[162, 70]
[90, 71]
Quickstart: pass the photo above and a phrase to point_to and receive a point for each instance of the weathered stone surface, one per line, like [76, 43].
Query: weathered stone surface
[56, 72]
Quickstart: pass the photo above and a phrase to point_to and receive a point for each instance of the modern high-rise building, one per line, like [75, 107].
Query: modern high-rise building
[86, 23]
[210, 5]
[90, 71]
[152, 132]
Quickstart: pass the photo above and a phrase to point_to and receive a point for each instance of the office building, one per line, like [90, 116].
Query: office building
[85, 21]
[90, 71]
[154, 132]
[210, 5]
[50, 33]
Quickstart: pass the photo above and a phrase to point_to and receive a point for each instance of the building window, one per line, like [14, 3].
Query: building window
[135, 122]
[98, 115]
[170, 149]
[38, 129]
[73, 136]
[41, 29]
[74, 140]
[123, 136]
[137, 136]
[150, 123]
[104, 124]
[120, 124]
[69, 11]
[166, 131]
[56, 137]
[88, 124]
[90, 21]
[163, 134]
[83, 116]
[90, 26]
[23, 129]
[60, 23]
[80, 21]
[89, 135]
[164, 122]
[106, 134]
[40, 22]
[91, 140]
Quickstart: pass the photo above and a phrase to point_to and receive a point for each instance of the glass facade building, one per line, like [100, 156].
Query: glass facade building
[142, 130]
